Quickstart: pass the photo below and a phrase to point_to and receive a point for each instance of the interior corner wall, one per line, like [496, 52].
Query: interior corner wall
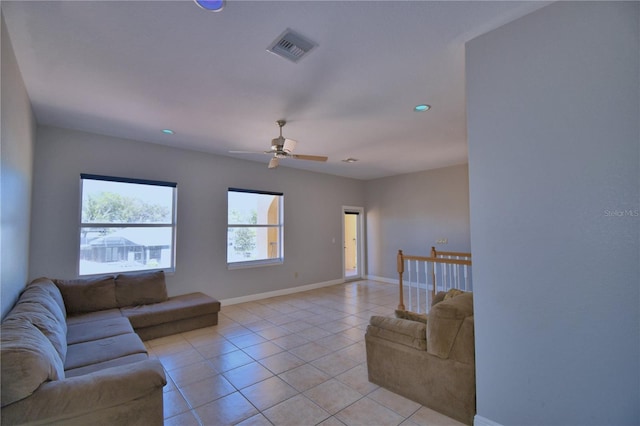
[553, 112]
[16, 152]
[411, 212]
[312, 211]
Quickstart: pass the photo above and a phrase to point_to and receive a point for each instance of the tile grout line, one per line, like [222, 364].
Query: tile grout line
[347, 310]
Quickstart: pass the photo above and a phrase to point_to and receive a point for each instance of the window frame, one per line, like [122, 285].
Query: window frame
[172, 224]
[279, 260]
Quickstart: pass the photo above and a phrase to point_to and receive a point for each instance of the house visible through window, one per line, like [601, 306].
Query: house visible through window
[254, 227]
[126, 225]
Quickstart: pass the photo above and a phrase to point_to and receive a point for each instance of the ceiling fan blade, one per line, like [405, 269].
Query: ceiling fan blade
[273, 163]
[289, 145]
[309, 157]
[247, 152]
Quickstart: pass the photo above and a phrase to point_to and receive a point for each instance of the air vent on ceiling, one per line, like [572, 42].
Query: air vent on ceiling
[291, 45]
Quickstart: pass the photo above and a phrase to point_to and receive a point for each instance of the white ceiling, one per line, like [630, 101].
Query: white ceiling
[131, 68]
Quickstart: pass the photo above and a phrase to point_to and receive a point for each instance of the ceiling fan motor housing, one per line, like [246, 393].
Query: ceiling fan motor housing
[277, 144]
[283, 148]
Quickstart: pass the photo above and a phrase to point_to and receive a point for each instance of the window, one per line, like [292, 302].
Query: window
[254, 227]
[126, 225]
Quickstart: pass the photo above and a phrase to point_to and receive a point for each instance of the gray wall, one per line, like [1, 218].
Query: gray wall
[312, 213]
[18, 138]
[410, 212]
[553, 108]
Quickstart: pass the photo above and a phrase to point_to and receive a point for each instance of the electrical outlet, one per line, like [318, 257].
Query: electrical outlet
[295, 275]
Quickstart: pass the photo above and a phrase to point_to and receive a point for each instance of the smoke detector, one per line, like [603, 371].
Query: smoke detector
[291, 45]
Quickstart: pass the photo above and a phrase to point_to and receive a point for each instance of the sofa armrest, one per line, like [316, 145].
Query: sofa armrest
[404, 332]
[75, 396]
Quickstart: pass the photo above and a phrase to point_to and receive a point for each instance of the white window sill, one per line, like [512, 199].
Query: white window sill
[254, 264]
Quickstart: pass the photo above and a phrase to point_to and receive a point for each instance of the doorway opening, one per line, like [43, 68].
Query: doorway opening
[352, 233]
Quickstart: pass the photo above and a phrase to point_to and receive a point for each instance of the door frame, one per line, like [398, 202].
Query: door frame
[360, 241]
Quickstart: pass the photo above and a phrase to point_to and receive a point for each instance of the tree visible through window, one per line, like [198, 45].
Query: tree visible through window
[254, 227]
[126, 225]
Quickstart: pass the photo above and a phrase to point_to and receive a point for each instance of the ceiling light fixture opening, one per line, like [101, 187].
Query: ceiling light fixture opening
[350, 160]
[168, 132]
[211, 5]
[422, 108]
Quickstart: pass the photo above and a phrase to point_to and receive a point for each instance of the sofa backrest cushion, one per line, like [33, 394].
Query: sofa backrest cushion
[27, 358]
[88, 294]
[445, 320]
[43, 320]
[141, 288]
[41, 296]
[48, 285]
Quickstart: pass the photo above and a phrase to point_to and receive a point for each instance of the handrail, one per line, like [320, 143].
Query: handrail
[435, 253]
[454, 258]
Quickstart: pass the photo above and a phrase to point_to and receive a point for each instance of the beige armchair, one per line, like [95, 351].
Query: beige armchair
[432, 363]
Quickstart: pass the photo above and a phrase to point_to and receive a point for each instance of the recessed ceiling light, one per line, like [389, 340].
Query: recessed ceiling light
[422, 107]
[168, 132]
[211, 5]
[350, 160]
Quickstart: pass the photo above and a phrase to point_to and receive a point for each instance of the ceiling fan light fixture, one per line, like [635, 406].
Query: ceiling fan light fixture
[211, 5]
[350, 160]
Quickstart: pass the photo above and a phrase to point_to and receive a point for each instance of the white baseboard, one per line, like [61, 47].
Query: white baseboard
[382, 279]
[283, 292]
[483, 421]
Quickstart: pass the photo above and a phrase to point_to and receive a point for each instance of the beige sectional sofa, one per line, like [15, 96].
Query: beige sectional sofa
[429, 360]
[72, 350]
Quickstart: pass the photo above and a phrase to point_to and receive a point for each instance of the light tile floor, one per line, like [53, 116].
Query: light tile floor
[291, 360]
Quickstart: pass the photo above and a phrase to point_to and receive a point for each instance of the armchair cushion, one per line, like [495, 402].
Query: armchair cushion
[445, 320]
[408, 333]
[411, 316]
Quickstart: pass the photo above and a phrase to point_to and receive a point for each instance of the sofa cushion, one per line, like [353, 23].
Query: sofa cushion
[175, 308]
[445, 320]
[27, 359]
[88, 294]
[115, 362]
[43, 320]
[52, 289]
[96, 330]
[96, 351]
[41, 296]
[93, 316]
[140, 288]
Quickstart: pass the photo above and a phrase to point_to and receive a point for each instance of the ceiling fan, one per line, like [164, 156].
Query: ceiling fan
[282, 148]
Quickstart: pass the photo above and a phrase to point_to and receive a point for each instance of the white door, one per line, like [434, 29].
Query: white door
[352, 244]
